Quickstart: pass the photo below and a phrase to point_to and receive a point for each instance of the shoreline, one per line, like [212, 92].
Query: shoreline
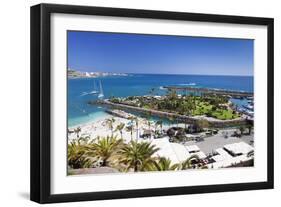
[188, 119]
[92, 121]
[99, 127]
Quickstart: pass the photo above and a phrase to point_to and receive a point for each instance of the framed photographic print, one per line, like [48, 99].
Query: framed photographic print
[132, 103]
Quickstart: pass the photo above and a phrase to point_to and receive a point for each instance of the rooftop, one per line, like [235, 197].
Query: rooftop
[192, 148]
[239, 148]
[175, 152]
[225, 159]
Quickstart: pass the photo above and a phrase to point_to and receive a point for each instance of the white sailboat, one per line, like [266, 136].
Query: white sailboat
[101, 95]
[95, 91]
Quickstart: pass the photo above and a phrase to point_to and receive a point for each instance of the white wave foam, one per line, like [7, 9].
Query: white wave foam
[187, 84]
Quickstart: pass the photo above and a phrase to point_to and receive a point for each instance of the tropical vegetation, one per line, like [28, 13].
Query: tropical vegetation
[137, 156]
[104, 149]
[210, 105]
[77, 153]
[113, 152]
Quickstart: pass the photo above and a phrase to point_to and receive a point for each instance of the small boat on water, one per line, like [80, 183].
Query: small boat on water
[250, 98]
[249, 106]
[95, 91]
[84, 94]
[249, 113]
[101, 95]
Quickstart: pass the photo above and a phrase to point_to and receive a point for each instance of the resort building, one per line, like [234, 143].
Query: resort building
[232, 155]
[177, 153]
[227, 156]
[195, 150]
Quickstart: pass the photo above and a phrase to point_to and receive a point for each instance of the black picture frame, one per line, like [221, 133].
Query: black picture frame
[41, 96]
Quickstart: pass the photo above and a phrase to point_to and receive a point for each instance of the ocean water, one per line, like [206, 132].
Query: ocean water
[80, 112]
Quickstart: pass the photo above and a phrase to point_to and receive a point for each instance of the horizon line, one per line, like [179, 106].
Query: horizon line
[165, 73]
[184, 74]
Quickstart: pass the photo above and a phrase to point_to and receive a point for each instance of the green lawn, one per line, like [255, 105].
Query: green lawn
[203, 108]
[224, 114]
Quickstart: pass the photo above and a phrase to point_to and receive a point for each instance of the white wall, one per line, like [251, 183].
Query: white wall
[14, 110]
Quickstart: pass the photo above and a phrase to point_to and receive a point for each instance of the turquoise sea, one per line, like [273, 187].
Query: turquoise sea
[80, 112]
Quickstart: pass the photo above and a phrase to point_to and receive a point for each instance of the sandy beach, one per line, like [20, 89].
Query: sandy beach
[99, 127]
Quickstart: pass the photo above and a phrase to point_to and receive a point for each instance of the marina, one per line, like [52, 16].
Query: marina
[142, 103]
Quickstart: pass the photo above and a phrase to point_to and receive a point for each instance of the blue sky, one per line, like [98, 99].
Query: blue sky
[158, 54]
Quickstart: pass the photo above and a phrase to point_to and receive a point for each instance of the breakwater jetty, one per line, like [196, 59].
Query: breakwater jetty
[231, 93]
[187, 119]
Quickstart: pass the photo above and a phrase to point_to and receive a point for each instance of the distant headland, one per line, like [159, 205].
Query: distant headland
[78, 74]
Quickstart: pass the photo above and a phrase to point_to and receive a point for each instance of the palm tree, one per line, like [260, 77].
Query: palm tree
[120, 128]
[187, 164]
[76, 153]
[191, 104]
[130, 129]
[138, 156]
[105, 149]
[160, 123]
[188, 108]
[164, 164]
[77, 131]
[109, 123]
[250, 127]
[242, 129]
[155, 127]
[135, 119]
[172, 94]
[149, 127]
